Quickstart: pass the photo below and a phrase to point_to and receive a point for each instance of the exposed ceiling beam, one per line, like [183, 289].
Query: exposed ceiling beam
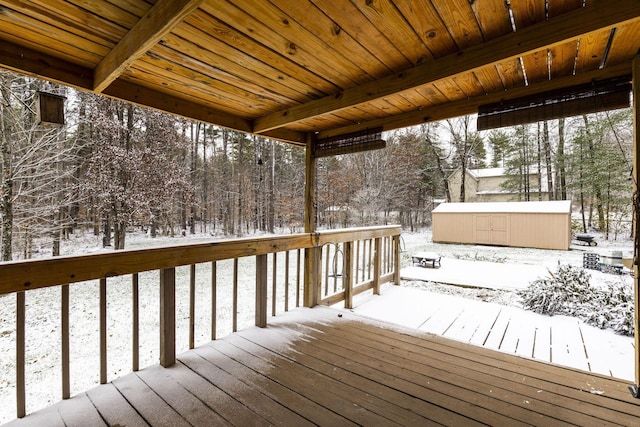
[23, 60]
[595, 16]
[156, 23]
[470, 106]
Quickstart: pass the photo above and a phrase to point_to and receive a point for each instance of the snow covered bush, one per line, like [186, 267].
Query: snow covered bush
[568, 291]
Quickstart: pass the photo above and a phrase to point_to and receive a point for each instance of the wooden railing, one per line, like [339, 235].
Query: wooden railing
[365, 257]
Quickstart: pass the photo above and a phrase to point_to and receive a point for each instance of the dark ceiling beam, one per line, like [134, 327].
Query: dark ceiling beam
[470, 106]
[146, 33]
[596, 16]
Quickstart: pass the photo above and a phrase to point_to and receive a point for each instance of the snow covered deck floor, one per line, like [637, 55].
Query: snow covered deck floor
[314, 366]
[553, 339]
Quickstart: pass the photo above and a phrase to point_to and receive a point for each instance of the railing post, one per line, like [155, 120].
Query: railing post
[261, 290]
[168, 317]
[312, 283]
[377, 264]
[347, 275]
[396, 259]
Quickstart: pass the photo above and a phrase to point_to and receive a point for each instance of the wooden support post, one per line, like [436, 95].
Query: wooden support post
[311, 263]
[168, 317]
[377, 264]
[103, 331]
[298, 264]
[21, 406]
[347, 275]
[261, 291]
[636, 214]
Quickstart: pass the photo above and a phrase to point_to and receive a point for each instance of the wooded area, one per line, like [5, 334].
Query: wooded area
[115, 167]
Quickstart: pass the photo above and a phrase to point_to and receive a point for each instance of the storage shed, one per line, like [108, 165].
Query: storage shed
[545, 225]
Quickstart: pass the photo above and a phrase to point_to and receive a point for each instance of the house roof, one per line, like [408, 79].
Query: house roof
[487, 172]
[291, 69]
[556, 206]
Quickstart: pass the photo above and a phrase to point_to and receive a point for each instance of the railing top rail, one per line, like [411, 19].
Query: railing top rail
[18, 276]
[359, 233]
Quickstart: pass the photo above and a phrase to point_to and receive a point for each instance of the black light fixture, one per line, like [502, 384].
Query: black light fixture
[583, 99]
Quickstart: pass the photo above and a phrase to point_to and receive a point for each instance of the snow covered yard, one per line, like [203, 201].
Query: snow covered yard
[473, 297]
[500, 270]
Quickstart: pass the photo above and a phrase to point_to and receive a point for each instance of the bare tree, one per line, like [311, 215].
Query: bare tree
[36, 169]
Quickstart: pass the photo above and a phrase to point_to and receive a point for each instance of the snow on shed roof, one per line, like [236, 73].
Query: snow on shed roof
[558, 206]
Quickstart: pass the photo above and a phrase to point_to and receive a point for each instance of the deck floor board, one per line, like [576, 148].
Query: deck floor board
[322, 366]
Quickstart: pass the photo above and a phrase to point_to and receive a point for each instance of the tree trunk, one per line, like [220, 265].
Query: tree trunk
[539, 158]
[106, 227]
[272, 196]
[6, 185]
[547, 159]
[6, 197]
[562, 173]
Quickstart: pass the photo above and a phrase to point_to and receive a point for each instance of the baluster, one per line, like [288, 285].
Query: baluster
[192, 305]
[214, 297]
[64, 317]
[335, 268]
[326, 269]
[286, 281]
[356, 262]
[364, 259]
[298, 278]
[235, 295]
[369, 259]
[396, 259]
[135, 333]
[103, 330]
[20, 356]
[273, 284]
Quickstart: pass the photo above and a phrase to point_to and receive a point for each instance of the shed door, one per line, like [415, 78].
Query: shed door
[500, 230]
[483, 229]
[492, 229]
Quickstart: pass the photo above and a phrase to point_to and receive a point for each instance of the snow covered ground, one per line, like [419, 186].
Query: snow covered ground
[495, 274]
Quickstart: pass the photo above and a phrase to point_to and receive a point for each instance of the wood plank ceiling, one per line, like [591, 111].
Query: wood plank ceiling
[285, 69]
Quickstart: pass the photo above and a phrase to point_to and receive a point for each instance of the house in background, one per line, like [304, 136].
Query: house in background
[489, 185]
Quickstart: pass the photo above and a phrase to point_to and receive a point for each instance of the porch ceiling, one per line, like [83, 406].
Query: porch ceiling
[286, 68]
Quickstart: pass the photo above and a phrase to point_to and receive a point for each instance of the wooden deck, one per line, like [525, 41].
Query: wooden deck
[560, 340]
[327, 367]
